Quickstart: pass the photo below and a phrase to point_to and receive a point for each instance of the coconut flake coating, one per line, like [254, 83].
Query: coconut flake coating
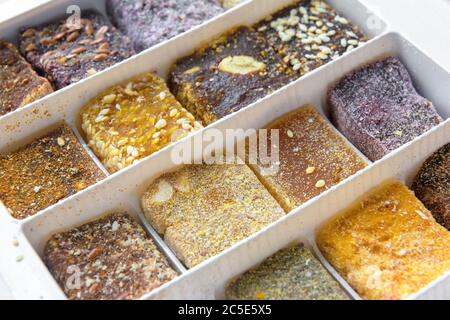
[378, 109]
[114, 257]
[432, 185]
[149, 22]
[290, 274]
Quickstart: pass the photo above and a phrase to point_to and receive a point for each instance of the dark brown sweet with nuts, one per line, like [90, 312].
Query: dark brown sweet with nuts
[432, 185]
[67, 53]
[111, 258]
[228, 75]
[19, 83]
[44, 172]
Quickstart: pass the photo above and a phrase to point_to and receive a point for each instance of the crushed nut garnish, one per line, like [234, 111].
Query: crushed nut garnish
[134, 119]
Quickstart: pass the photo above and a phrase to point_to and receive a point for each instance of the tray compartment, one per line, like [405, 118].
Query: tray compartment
[123, 190]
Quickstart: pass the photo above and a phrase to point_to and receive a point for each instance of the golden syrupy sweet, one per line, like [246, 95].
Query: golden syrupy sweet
[204, 209]
[292, 273]
[19, 83]
[432, 185]
[112, 257]
[312, 158]
[44, 172]
[388, 246]
[134, 119]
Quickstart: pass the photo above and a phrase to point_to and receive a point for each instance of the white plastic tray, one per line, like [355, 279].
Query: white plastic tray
[30, 278]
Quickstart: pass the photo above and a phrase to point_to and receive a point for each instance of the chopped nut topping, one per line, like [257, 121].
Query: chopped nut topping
[290, 133]
[164, 193]
[310, 170]
[320, 184]
[65, 53]
[130, 121]
[109, 99]
[117, 258]
[302, 33]
[161, 124]
[192, 71]
[241, 65]
[61, 142]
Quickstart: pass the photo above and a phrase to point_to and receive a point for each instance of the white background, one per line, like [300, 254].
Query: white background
[425, 23]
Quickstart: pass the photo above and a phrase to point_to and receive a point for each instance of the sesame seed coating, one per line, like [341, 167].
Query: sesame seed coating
[388, 246]
[313, 158]
[310, 34]
[44, 172]
[112, 257]
[134, 119]
[202, 210]
[19, 83]
[290, 274]
[68, 52]
[432, 185]
[228, 75]
[378, 109]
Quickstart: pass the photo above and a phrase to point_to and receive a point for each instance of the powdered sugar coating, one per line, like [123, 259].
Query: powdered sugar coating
[378, 108]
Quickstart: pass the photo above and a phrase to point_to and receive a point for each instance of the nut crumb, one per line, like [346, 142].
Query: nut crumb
[241, 65]
[310, 170]
[320, 184]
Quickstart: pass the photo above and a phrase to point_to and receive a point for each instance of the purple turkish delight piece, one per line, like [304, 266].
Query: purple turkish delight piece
[149, 22]
[378, 109]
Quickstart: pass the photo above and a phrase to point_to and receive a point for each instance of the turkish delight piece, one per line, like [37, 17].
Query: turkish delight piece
[67, 52]
[229, 74]
[378, 109]
[432, 185]
[388, 246]
[150, 22]
[290, 274]
[201, 210]
[19, 83]
[114, 258]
